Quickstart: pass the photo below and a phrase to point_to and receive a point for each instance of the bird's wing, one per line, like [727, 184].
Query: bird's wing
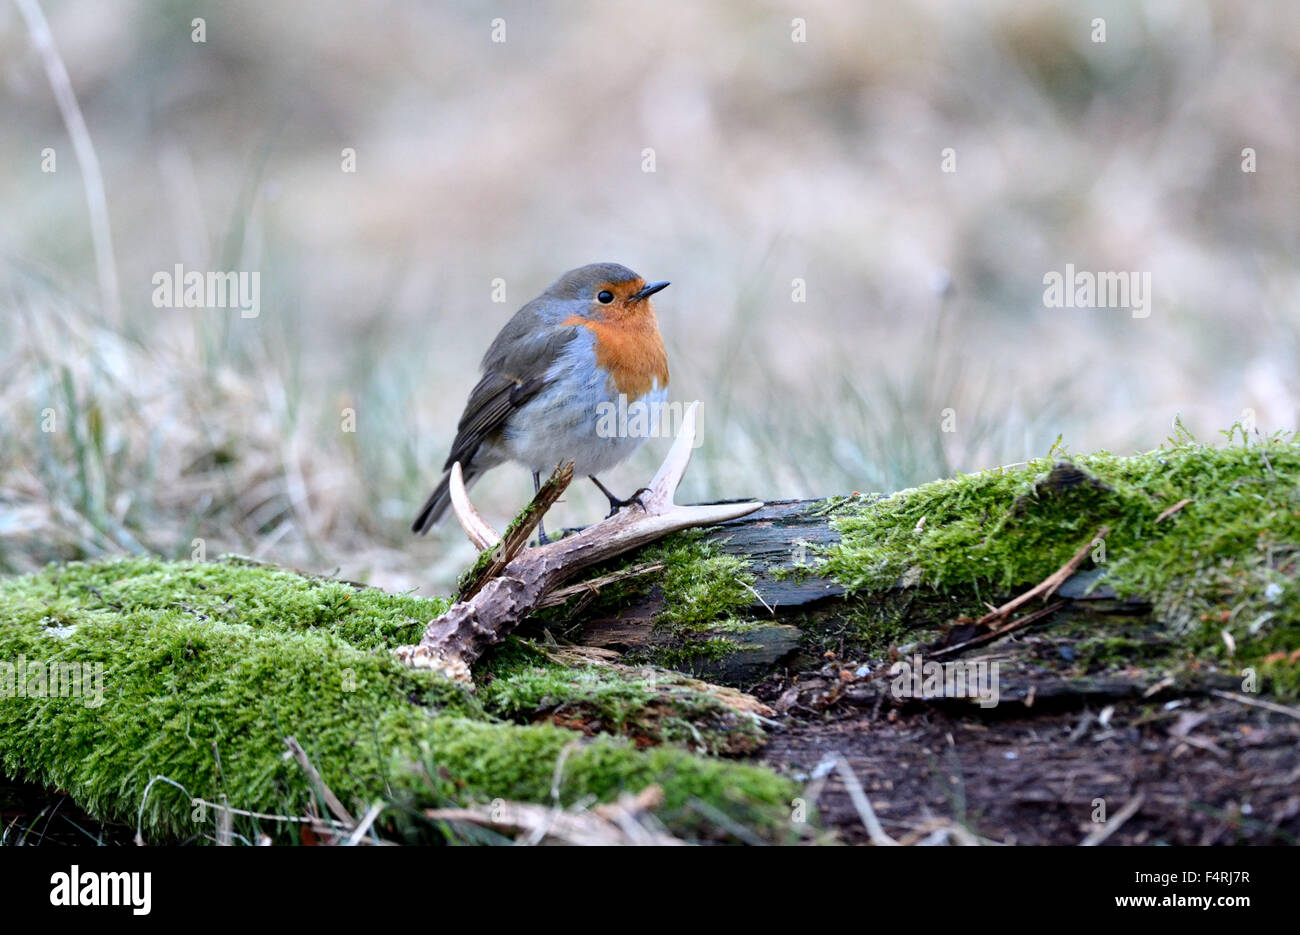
[514, 371]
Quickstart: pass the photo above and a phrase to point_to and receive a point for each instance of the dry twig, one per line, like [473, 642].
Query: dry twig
[1173, 509]
[863, 804]
[1110, 827]
[313, 776]
[593, 585]
[624, 822]
[1256, 703]
[1045, 588]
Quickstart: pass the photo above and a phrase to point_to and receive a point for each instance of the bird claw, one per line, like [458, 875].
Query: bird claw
[615, 504]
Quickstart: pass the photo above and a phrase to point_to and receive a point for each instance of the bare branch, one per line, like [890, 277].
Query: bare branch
[592, 586]
[516, 537]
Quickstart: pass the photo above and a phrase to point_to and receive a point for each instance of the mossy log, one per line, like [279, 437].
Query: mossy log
[1160, 676]
[152, 692]
[1188, 563]
[773, 546]
[776, 547]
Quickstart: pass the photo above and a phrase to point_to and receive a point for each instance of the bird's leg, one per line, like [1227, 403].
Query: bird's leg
[615, 504]
[537, 488]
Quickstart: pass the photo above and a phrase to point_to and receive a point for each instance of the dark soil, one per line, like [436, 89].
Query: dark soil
[1209, 770]
[32, 816]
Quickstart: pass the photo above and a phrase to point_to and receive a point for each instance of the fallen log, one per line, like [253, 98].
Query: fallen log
[779, 545]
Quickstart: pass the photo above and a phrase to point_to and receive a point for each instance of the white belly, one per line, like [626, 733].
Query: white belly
[576, 418]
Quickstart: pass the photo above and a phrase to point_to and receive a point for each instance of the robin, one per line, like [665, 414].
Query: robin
[589, 341]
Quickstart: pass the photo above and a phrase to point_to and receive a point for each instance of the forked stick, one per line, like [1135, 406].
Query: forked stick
[455, 640]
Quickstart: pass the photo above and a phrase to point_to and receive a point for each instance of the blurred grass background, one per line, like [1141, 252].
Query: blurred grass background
[476, 160]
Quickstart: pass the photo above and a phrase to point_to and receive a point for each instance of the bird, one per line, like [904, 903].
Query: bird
[590, 341]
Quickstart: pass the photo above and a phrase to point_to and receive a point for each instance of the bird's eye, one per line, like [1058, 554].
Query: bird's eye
[604, 297]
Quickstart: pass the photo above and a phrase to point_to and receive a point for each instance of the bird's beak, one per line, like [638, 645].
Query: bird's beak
[648, 290]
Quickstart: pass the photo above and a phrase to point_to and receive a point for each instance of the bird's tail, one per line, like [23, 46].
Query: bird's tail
[438, 502]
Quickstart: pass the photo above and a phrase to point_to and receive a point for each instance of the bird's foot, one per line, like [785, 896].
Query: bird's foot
[616, 503]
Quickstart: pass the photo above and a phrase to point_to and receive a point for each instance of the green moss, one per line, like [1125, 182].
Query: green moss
[703, 592]
[700, 583]
[647, 704]
[1227, 561]
[693, 653]
[207, 667]
[873, 625]
[233, 590]
[1105, 652]
[478, 569]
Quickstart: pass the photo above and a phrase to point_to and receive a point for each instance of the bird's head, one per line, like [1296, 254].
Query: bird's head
[604, 292]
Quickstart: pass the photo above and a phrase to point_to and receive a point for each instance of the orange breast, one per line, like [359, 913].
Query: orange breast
[631, 350]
